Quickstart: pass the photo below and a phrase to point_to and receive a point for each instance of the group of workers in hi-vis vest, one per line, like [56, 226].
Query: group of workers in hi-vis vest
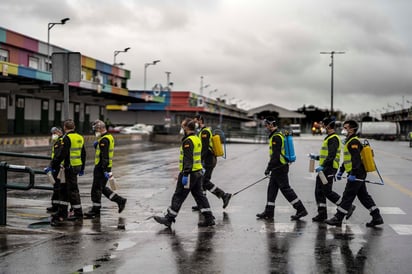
[68, 162]
[329, 169]
[196, 163]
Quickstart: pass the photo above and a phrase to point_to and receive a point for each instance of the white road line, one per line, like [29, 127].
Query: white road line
[402, 229]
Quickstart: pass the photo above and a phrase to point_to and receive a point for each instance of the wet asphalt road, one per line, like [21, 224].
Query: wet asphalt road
[132, 242]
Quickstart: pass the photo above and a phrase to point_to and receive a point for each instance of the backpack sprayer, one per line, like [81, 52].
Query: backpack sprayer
[219, 148]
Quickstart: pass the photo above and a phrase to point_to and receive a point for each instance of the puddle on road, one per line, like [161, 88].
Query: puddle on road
[122, 245]
[92, 267]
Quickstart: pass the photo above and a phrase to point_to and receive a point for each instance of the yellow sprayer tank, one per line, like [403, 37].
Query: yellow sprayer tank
[217, 146]
[367, 157]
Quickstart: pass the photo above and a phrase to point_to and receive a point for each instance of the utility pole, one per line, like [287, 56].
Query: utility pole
[331, 82]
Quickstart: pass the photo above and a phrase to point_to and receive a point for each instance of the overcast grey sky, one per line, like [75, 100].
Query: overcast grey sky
[260, 51]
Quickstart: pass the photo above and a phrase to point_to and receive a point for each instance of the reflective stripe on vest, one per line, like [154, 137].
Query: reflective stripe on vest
[282, 151]
[347, 158]
[111, 150]
[77, 143]
[324, 152]
[197, 153]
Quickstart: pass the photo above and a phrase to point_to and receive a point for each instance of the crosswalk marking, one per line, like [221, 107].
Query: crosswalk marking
[391, 210]
[402, 229]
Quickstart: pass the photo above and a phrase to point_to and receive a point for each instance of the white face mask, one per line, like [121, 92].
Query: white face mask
[197, 125]
[182, 131]
[98, 134]
[54, 137]
[344, 132]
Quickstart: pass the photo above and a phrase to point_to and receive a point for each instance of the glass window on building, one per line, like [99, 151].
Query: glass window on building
[4, 55]
[33, 62]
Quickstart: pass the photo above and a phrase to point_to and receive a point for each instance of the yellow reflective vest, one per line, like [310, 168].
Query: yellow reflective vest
[111, 150]
[347, 158]
[282, 151]
[77, 142]
[197, 152]
[324, 151]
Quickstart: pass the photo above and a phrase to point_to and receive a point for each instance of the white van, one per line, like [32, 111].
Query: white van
[295, 128]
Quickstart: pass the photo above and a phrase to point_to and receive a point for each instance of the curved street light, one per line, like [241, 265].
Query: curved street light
[116, 52]
[49, 26]
[145, 73]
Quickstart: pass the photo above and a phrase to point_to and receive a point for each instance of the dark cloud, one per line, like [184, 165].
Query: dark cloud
[256, 51]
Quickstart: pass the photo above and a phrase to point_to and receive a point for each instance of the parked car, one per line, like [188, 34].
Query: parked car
[137, 129]
[295, 128]
[114, 129]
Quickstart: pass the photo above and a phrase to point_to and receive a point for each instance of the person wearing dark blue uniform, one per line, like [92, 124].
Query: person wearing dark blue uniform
[189, 179]
[278, 169]
[209, 161]
[103, 162]
[73, 156]
[355, 186]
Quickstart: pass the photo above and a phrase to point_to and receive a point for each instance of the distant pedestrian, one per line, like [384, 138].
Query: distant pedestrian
[102, 172]
[189, 179]
[56, 137]
[278, 169]
[209, 161]
[329, 160]
[73, 154]
[355, 186]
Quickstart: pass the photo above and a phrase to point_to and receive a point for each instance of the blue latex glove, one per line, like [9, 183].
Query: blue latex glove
[107, 175]
[81, 172]
[351, 178]
[95, 144]
[339, 175]
[185, 180]
[319, 169]
[48, 169]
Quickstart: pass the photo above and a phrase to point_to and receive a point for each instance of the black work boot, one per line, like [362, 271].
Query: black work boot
[376, 219]
[350, 211]
[335, 221]
[226, 198]
[322, 215]
[53, 209]
[77, 215]
[166, 220]
[208, 220]
[94, 212]
[300, 211]
[268, 214]
[121, 202]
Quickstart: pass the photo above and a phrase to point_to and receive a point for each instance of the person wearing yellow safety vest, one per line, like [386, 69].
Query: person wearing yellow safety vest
[329, 161]
[355, 186]
[189, 179]
[103, 171]
[209, 161]
[410, 139]
[56, 137]
[278, 169]
[73, 154]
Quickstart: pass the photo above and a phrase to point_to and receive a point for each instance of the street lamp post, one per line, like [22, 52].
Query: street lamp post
[116, 52]
[332, 53]
[145, 73]
[202, 86]
[49, 26]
